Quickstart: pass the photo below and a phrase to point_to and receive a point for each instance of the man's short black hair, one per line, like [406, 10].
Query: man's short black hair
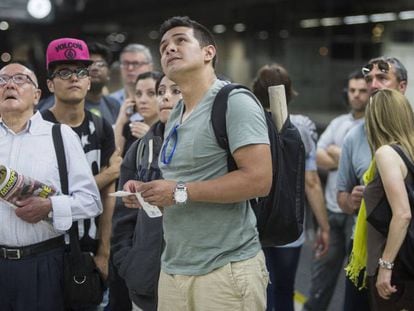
[201, 33]
[100, 49]
[355, 75]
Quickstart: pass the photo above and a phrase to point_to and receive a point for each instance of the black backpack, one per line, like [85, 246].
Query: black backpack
[280, 214]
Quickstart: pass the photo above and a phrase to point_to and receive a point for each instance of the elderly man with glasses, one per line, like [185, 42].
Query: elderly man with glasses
[31, 234]
[67, 61]
[134, 60]
[379, 73]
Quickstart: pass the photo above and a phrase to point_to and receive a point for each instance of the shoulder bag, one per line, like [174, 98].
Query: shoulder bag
[83, 284]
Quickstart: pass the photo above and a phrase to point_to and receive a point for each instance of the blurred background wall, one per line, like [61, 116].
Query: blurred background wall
[320, 41]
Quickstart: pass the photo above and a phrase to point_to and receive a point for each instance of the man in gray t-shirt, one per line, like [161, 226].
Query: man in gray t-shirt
[212, 258]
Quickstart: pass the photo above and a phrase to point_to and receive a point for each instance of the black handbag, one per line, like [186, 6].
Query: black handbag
[83, 284]
[380, 218]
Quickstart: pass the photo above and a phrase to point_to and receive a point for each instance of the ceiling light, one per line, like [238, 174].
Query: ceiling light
[331, 21]
[356, 19]
[406, 15]
[219, 28]
[39, 9]
[309, 23]
[4, 25]
[5, 57]
[383, 17]
[263, 35]
[153, 34]
[239, 27]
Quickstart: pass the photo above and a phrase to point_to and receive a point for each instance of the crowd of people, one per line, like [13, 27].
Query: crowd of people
[154, 137]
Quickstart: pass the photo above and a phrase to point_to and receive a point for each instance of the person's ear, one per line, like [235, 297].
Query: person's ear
[402, 86]
[37, 95]
[210, 53]
[50, 85]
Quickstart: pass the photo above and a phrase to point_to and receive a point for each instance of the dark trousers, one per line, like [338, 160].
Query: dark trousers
[326, 270]
[118, 291]
[282, 264]
[34, 283]
[355, 299]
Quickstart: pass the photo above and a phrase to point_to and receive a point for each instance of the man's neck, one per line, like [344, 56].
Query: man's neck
[17, 122]
[358, 114]
[69, 114]
[194, 87]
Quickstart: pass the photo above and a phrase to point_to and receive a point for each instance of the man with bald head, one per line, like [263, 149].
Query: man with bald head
[31, 232]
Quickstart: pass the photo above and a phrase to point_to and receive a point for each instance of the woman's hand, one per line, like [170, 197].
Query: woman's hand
[138, 129]
[383, 285]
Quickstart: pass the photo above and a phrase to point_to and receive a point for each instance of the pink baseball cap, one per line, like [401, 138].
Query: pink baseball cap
[67, 50]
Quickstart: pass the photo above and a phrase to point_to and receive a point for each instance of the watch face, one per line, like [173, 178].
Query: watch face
[180, 196]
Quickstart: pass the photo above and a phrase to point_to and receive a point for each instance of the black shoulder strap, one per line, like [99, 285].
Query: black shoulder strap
[408, 162]
[218, 120]
[63, 174]
[61, 158]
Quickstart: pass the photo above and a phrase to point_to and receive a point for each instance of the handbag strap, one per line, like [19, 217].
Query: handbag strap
[408, 162]
[63, 174]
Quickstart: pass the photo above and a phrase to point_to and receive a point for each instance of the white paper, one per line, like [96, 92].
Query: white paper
[151, 210]
[121, 194]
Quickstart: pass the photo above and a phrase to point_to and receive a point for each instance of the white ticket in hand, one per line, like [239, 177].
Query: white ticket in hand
[151, 210]
[121, 194]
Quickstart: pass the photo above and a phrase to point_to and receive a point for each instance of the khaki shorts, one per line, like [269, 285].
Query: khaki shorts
[236, 286]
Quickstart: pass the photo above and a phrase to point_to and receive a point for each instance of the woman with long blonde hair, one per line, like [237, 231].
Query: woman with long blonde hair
[389, 126]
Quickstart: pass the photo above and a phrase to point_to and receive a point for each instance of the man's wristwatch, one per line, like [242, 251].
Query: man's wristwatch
[180, 193]
[385, 264]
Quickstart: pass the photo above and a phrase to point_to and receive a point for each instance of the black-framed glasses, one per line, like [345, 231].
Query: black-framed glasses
[383, 66]
[173, 135]
[66, 74]
[99, 64]
[134, 65]
[18, 78]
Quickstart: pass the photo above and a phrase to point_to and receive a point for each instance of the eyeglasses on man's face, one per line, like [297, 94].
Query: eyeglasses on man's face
[99, 64]
[66, 73]
[382, 66]
[18, 79]
[134, 65]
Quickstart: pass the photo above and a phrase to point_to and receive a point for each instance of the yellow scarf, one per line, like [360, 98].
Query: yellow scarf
[358, 257]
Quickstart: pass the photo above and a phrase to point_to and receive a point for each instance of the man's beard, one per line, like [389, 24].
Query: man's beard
[96, 87]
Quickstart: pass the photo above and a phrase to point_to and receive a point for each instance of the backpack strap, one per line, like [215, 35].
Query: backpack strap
[139, 154]
[98, 122]
[63, 175]
[219, 123]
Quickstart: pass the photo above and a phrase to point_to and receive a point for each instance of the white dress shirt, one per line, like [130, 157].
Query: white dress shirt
[31, 153]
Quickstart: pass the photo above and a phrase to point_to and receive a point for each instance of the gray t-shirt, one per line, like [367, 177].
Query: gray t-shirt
[200, 236]
[355, 159]
[334, 134]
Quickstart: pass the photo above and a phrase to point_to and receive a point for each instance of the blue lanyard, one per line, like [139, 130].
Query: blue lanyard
[173, 134]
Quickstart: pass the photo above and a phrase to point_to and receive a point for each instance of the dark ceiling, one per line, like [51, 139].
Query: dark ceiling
[277, 12]
[284, 14]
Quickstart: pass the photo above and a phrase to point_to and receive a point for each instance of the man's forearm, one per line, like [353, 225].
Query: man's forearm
[314, 194]
[345, 202]
[325, 161]
[106, 176]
